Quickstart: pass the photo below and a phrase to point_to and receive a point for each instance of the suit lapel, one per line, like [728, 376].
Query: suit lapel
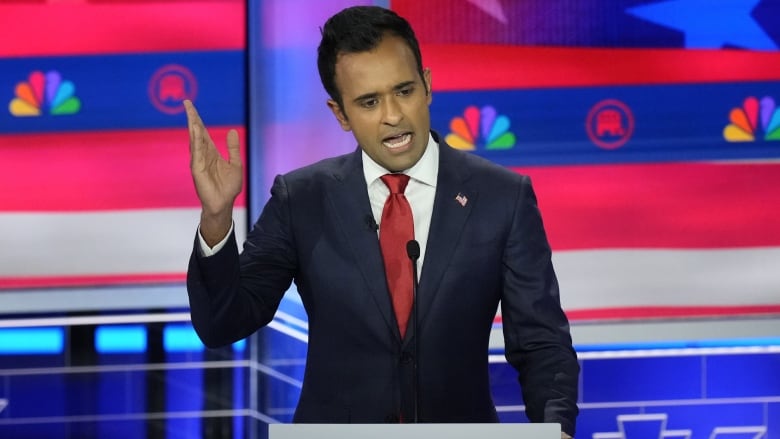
[352, 207]
[451, 207]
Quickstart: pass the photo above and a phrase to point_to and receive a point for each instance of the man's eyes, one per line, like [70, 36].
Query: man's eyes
[373, 102]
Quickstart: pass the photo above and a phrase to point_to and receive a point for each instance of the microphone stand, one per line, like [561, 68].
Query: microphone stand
[413, 251]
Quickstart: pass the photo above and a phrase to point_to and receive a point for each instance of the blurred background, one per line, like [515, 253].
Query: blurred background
[650, 128]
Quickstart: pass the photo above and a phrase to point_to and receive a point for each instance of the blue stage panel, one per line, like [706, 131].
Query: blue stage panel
[34, 431]
[711, 420]
[19, 361]
[184, 393]
[504, 385]
[594, 420]
[122, 429]
[121, 391]
[641, 379]
[773, 420]
[743, 375]
[513, 417]
[25, 396]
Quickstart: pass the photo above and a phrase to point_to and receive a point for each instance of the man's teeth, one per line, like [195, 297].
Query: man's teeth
[397, 142]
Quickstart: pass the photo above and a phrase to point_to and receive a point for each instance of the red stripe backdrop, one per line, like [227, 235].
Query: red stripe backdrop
[120, 27]
[581, 67]
[675, 205]
[103, 170]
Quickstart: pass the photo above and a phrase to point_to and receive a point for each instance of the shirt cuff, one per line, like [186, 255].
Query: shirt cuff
[207, 251]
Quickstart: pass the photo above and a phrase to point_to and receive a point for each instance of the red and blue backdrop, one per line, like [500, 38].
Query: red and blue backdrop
[651, 130]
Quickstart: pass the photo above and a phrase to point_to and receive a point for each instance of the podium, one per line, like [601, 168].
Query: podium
[414, 431]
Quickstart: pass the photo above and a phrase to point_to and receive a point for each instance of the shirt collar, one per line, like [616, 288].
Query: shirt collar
[425, 170]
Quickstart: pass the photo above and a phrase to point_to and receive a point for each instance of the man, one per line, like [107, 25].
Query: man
[481, 243]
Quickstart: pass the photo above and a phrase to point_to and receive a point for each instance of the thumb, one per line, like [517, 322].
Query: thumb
[234, 150]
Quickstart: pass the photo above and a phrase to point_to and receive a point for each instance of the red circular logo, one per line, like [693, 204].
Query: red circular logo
[170, 86]
[610, 124]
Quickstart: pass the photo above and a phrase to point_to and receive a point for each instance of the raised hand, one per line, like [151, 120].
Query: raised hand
[217, 181]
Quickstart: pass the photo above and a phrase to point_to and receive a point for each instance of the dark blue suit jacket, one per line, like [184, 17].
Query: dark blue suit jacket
[491, 250]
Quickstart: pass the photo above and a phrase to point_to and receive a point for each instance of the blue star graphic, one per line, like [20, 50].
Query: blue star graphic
[708, 24]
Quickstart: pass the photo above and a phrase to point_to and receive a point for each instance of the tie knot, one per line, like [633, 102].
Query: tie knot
[395, 182]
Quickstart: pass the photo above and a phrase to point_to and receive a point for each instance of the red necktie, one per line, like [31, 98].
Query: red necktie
[395, 230]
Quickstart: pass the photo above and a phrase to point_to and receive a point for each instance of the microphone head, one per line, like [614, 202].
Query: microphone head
[413, 250]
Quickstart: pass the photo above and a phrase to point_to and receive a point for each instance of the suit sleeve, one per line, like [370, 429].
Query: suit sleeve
[231, 296]
[536, 331]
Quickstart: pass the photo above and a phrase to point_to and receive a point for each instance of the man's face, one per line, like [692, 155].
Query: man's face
[385, 103]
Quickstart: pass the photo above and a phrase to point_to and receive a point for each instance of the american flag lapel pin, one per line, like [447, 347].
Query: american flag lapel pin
[460, 198]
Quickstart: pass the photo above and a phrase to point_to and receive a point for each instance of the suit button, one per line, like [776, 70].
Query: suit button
[392, 419]
[406, 358]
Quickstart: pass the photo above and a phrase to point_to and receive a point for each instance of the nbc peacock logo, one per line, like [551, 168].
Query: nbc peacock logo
[43, 93]
[480, 128]
[753, 119]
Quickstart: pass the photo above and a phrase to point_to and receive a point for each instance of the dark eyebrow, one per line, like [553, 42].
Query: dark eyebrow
[374, 95]
[365, 97]
[403, 85]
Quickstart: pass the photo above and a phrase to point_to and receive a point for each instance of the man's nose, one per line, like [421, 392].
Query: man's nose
[391, 111]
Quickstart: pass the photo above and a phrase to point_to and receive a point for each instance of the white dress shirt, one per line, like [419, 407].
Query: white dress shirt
[420, 192]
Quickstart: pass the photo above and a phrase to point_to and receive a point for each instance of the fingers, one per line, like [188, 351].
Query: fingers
[192, 114]
[201, 146]
[194, 124]
[234, 150]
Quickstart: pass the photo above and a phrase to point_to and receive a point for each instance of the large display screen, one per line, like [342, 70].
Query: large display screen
[651, 131]
[95, 187]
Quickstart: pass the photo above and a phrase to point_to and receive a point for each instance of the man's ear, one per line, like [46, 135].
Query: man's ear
[340, 116]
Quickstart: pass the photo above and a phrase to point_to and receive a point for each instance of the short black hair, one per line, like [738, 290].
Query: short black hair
[359, 29]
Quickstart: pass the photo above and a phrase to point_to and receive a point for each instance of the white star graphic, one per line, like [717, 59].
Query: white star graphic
[492, 8]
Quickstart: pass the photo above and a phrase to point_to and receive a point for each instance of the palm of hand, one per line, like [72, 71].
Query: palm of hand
[217, 181]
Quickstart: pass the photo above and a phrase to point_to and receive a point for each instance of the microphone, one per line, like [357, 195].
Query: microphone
[371, 223]
[413, 251]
